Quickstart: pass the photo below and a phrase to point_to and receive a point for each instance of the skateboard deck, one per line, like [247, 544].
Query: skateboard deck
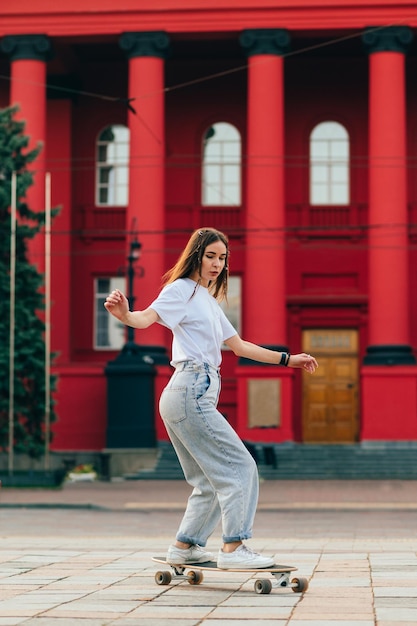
[193, 573]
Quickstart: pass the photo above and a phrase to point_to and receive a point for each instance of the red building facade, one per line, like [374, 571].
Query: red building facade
[291, 126]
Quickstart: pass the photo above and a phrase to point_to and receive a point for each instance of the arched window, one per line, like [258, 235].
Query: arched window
[112, 172]
[221, 175]
[329, 164]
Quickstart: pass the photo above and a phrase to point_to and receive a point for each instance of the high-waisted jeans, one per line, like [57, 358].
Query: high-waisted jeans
[213, 458]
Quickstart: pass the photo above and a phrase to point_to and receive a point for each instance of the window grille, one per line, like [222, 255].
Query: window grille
[221, 171]
[112, 166]
[329, 165]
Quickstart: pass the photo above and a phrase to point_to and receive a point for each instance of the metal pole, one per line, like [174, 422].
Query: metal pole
[47, 318]
[133, 255]
[13, 205]
[130, 296]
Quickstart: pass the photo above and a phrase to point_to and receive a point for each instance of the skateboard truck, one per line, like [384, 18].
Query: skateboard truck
[193, 574]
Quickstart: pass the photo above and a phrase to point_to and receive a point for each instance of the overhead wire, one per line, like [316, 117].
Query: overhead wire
[169, 89]
[292, 161]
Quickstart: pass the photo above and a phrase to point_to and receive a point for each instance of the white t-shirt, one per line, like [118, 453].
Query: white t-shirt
[198, 323]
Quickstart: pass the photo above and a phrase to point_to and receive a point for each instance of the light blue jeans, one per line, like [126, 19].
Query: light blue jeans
[213, 458]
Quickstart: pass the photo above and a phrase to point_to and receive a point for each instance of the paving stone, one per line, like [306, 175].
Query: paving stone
[95, 568]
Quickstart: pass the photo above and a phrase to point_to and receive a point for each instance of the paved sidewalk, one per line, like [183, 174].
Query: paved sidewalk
[155, 494]
[82, 555]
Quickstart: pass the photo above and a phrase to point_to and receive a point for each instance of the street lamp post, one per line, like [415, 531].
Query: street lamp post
[130, 384]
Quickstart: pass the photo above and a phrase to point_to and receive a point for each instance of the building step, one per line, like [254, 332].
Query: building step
[381, 460]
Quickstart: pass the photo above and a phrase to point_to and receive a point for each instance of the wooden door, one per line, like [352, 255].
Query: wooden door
[330, 395]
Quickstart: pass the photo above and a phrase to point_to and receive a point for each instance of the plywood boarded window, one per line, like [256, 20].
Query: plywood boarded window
[264, 402]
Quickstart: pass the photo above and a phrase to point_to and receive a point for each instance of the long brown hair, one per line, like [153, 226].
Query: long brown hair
[192, 257]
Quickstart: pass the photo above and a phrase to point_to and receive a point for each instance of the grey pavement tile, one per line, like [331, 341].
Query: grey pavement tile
[47, 594]
[73, 616]
[8, 571]
[338, 594]
[275, 598]
[397, 615]
[170, 611]
[330, 622]
[90, 605]
[395, 576]
[251, 613]
[95, 577]
[36, 560]
[395, 592]
[394, 567]
[29, 579]
[205, 602]
[341, 582]
[112, 594]
[203, 596]
[400, 603]
[395, 581]
[149, 621]
[336, 600]
[27, 604]
[401, 558]
[395, 623]
[54, 621]
[245, 622]
[336, 617]
[341, 556]
[13, 583]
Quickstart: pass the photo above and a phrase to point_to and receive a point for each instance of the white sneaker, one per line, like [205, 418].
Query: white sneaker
[243, 558]
[193, 554]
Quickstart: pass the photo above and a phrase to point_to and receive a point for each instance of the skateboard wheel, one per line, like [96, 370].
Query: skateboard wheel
[163, 578]
[299, 585]
[195, 577]
[263, 585]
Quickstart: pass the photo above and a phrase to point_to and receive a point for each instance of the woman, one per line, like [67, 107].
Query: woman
[214, 460]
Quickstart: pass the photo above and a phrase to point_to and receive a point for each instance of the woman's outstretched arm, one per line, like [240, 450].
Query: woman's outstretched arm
[117, 304]
[252, 351]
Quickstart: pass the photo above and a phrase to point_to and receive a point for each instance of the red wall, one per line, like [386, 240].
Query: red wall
[323, 269]
[59, 164]
[81, 408]
[327, 273]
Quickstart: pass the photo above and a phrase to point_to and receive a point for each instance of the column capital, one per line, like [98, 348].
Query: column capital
[265, 41]
[28, 47]
[389, 39]
[145, 44]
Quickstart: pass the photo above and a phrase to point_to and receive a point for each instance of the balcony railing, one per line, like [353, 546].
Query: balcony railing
[225, 218]
[307, 220]
[302, 220]
[100, 222]
[93, 222]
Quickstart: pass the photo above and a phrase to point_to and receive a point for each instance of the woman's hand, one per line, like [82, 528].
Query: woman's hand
[304, 361]
[117, 304]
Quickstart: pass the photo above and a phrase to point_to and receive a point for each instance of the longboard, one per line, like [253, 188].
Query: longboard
[193, 573]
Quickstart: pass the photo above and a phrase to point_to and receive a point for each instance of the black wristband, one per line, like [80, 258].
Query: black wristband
[283, 360]
[288, 359]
